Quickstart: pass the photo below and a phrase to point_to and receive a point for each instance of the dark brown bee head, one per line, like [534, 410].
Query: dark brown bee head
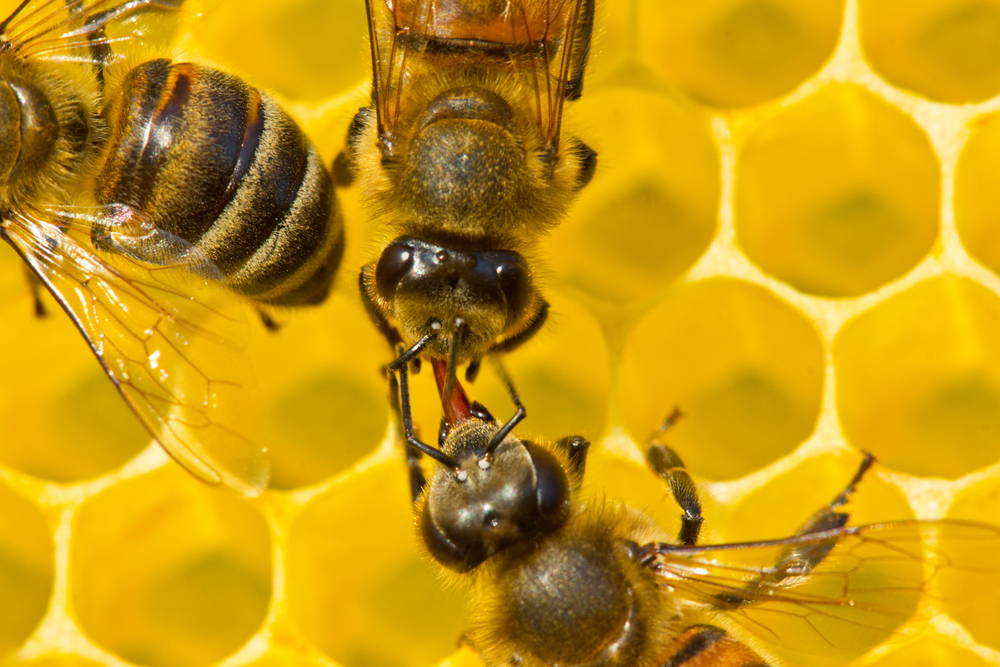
[493, 500]
[479, 296]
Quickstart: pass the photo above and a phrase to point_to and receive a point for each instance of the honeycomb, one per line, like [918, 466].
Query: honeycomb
[791, 234]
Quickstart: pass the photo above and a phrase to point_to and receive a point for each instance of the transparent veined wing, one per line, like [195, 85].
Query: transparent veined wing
[87, 31]
[167, 335]
[835, 592]
[544, 44]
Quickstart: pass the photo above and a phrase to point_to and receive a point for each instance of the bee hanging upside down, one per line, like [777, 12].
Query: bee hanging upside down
[462, 156]
[559, 576]
[134, 191]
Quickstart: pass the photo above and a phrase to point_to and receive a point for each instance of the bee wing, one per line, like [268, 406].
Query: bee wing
[166, 335]
[556, 34]
[832, 592]
[546, 44]
[388, 29]
[77, 30]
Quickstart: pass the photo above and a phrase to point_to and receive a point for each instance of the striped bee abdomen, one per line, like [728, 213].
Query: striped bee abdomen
[709, 646]
[213, 162]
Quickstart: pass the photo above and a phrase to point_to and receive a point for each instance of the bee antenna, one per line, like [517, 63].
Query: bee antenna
[415, 349]
[520, 414]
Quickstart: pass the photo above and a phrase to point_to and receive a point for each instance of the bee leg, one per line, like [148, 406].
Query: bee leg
[828, 517]
[587, 163]
[416, 473]
[519, 414]
[35, 284]
[414, 470]
[527, 332]
[415, 447]
[269, 322]
[576, 448]
[667, 465]
[387, 330]
[585, 28]
[96, 35]
[345, 164]
[100, 51]
[472, 370]
[343, 170]
[799, 559]
[399, 402]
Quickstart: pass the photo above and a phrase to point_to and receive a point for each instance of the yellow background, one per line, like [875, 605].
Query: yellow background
[792, 234]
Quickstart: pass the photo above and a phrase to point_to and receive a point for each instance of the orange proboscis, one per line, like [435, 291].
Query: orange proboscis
[456, 406]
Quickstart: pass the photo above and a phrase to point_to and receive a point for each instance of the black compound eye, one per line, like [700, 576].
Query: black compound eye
[552, 487]
[515, 285]
[395, 262]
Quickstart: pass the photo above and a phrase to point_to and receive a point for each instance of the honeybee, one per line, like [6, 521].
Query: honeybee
[562, 577]
[461, 156]
[135, 192]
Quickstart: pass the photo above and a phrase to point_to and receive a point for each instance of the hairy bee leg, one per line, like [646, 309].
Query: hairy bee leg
[587, 159]
[574, 84]
[576, 448]
[515, 341]
[345, 164]
[343, 172]
[98, 47]
[828, 517]
[387, 330]
[797, 560]
[102, 52]
[668, 466]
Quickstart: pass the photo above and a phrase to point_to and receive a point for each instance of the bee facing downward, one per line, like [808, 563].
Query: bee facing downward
[561, 577]
[132, 191]
[461, 155]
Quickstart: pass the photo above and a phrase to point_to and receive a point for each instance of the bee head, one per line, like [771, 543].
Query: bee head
[495, 498]
[477, 298]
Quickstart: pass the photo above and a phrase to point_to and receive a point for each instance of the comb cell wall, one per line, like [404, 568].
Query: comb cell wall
[790, 235]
